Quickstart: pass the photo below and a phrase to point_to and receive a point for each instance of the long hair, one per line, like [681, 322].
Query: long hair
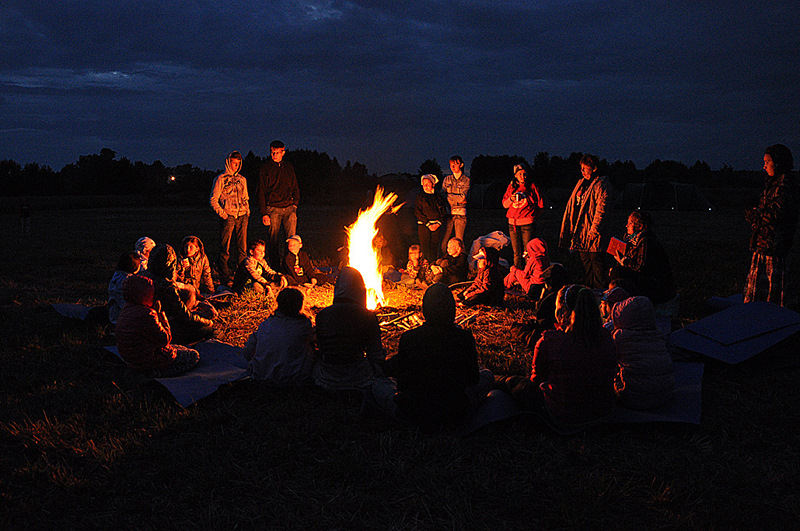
[583, 320]
[782, 157]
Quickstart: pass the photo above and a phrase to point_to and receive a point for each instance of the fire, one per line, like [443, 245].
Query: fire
[362, 255]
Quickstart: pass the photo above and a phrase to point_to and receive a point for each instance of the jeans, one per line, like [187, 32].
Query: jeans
[459, 223]
[594, 266]
[280, 216]
[520, 236]
[226, 229]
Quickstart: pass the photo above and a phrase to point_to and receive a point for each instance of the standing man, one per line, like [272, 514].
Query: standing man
[584, 221]
[231, 202]
[455, 188]
[278, 197]
[773, 221]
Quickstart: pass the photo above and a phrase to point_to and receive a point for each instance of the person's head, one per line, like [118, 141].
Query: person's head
[638, 221]
[555, 277]
[778, 160]
[233, 163]
[439, 305]
[129, 262]
[192, 246]
[257, 249]
[455, 247]
[456, 165]
[520, 174]
[277, 150]
[577, 313]
[414, 253]
[589, 165]
[610, 298]
[294, 243]
[137, 289]
[290, 302]
[486, 257]
[428, 182]
[143, 246]
[163, 261]
[349, 287]
[379, 241]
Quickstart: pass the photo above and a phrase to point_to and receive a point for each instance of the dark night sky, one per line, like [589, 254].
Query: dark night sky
[391, 84]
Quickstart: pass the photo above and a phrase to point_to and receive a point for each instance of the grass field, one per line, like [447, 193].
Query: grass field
[86, 444]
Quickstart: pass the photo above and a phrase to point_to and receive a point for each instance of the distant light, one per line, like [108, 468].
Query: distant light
[172, 178]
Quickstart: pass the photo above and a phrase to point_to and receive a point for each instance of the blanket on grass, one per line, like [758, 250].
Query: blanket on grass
[685, 407]
[737, 333]
[220, 363]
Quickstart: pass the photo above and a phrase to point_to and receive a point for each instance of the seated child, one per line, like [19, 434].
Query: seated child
[487, 288]
[143, 247]
[298, 268]
[280, 352]
[645, 378]
[573, 370]
[195, 267]
[385, 258]
[417, 272]
[451, 268]
[611, 297]
[555, 278]
[255, 274]
[186, 326]
[143, 333]
[531, 279]
[437, 378]
[127, 265]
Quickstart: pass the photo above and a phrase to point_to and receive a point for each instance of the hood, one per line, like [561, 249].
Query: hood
[163, 262]
[137, 289]
[536, 247]
[144, 245]
[201, 248]
[635, 313]
[350, 287]
[228, 170]
[438, 305]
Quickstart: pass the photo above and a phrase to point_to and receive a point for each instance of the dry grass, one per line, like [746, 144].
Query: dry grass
[84, 443]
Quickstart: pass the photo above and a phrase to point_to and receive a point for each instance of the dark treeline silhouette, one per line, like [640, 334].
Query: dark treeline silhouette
[324, 180]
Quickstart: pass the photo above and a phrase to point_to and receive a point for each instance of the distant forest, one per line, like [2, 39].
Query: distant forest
[323, 179]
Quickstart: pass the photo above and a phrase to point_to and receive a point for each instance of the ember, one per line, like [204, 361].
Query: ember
[362, 255]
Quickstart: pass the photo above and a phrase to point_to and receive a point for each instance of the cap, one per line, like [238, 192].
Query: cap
[296, 237]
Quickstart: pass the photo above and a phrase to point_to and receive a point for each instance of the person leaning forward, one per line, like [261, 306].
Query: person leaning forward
[278, 197]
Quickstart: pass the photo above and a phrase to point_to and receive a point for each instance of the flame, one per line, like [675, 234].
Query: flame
[362, 255]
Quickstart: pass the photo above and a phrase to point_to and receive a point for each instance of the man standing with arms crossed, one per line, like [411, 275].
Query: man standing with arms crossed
[278, 197]
[455, 188]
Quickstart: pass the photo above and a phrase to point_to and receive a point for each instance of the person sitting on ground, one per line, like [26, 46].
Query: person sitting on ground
[127, 265]
[645, 379]
[298, 267]
[187, 327]
[385, 258]
[644, 261]
[572, 376]
[555, 277]
[530, 279]
[417, 272]
[280, 352]
[613, 295]
[487, 288]
[350, 347]
[143, 246]
[451, 268]
[255, 274]
[435, 372]
[143, 333]
[195, 268]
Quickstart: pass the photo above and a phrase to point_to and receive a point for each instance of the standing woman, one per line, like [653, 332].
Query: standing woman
[584, 221]
[431, 212]
[523, 202]
[773, 221]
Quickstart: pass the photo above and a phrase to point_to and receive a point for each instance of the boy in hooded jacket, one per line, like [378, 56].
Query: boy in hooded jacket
[231, 202]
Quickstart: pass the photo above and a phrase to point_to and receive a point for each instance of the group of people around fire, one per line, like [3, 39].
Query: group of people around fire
[595, 343]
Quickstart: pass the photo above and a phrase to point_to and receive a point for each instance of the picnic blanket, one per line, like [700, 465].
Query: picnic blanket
[72, 311]
[737, 333]
[220, 363]
[685, 407]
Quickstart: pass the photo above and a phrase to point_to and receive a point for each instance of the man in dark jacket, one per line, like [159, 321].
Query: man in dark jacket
[278, 197]
[773, 221]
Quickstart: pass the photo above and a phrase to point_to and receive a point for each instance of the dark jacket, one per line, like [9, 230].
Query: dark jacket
[277, 186]
[297, 267]
[647, 263]
[774, 219]
[454, 269]
[430, 208]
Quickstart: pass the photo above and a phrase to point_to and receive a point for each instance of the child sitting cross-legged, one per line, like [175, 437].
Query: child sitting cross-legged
[255, 274]
[487, 288]
[280, 352]
[417, 272]
[531, 279]
[298, 267]
[143, 334]
[451, 268]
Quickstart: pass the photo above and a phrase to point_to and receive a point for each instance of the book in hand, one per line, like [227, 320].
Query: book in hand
[615, 246]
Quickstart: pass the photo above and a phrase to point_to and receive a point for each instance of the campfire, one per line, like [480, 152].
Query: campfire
[362, 255]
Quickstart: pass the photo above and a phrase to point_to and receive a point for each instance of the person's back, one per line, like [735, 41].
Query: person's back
[645, 379]
[143, 333]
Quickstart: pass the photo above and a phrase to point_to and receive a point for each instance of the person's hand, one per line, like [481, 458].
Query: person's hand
[434, 227]
[265, 221]
[313, 281]
[518, 204]
[619, 256]
[224, 216]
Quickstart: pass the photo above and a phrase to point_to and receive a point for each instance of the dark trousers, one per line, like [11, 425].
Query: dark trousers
[520, 236]
[285, 217]
[594, 266]
[429, 242]
[227, 227]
